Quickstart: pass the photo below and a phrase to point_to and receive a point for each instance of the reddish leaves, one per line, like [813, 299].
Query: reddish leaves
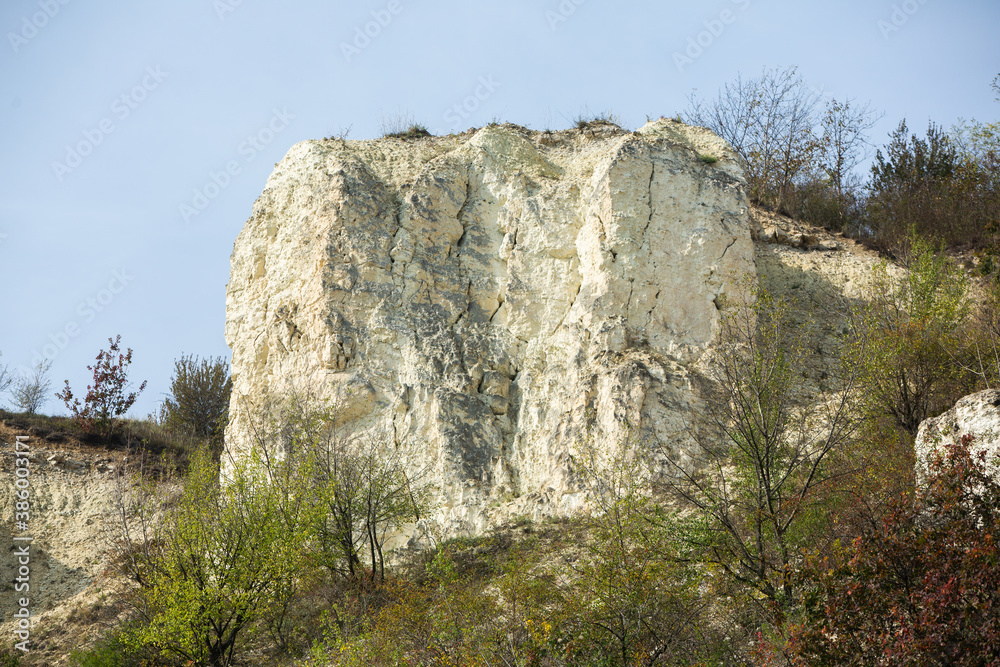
[923, 587]
[107, 398]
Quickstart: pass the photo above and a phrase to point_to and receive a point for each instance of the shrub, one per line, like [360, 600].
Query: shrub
[199, 397]
[217, 567]
[31, 392]
[108, 398]
[922, 586]
[413, 132]
[908, 336]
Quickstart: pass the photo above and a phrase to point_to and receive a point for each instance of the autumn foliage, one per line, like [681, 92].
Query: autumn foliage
[923, 586]
[108, 397]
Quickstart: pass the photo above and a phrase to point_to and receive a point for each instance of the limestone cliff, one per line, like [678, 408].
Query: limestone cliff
[491, 300]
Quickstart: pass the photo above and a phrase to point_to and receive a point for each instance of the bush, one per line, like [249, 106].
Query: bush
[218, 566]
[108, 398]
[922, 586]
[113, 650]
[909, 335]
[925, 186]
[199, 397]
[31, 393]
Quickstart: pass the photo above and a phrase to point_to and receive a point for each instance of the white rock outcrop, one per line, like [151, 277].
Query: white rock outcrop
[977, 415]
[489, 301]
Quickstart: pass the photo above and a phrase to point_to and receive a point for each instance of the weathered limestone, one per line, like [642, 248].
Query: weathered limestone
[491, 300]
[977, 415]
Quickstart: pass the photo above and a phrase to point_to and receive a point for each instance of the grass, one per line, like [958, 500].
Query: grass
[708, 159]
[401, 125]
[586, 120]
[415, 131]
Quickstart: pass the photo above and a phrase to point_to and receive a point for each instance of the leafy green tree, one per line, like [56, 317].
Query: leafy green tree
[214, 570]
[922, 587]
[909, 337]
[758, 491]
[360, 487]
[199, 397]
[631, 598]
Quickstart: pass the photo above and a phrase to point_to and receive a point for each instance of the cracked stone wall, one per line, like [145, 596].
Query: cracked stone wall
[488, 301]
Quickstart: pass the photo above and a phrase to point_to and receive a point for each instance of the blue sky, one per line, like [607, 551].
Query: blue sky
[137, 135]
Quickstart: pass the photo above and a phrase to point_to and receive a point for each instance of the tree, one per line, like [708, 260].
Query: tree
[359, 491]
[769, 122]
[926, 185]
[921, 587]
[199, 397]
[758, 489]
[108, 397]
[909, 333]
[217, 566]
[631, 596]
[844, 143]
[30, 392]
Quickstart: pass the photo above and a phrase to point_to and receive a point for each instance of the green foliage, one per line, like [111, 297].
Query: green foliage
[359, 490]
[632, 595]
[199, 397]
[415, 131]
[908, 334]
[708, 159]
[10, 657]
[928, 186]
[218, 565]
[108, 397]
[922, 586]
[113, 650]
[756, 495]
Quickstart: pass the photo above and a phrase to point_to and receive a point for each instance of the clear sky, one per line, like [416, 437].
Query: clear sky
[120, 120]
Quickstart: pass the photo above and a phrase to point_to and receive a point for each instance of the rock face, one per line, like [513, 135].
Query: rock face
[489, 301]
[977, 415]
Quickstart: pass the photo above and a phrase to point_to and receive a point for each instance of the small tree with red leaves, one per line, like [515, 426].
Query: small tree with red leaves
[108, 397]
[923, 586]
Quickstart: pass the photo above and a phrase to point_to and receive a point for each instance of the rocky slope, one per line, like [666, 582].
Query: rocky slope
[72, 493]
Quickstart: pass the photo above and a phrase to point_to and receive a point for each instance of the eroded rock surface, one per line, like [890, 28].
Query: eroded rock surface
[977, 415]
[491, 300]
